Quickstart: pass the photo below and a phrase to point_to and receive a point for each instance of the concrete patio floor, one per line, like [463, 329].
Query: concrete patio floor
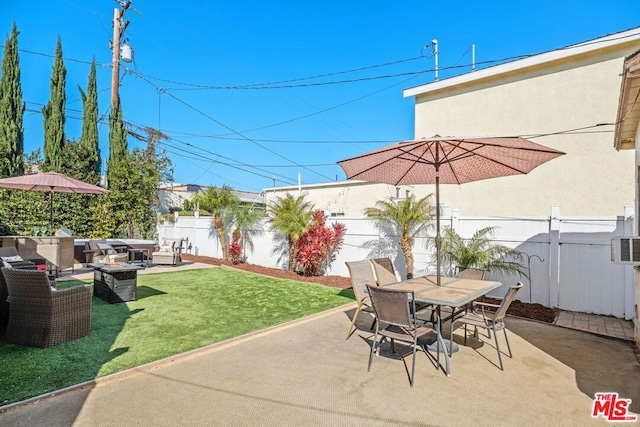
[305, 373]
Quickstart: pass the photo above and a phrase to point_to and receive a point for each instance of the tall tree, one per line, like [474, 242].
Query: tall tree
[290, 216]
[11, 110]
[221, 203]
[89, 138]
[129, 209]
[53, 113]
[117, 138]
[408, 218]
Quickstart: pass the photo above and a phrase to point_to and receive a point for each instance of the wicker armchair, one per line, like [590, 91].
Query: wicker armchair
[40, 316]
[170, 252]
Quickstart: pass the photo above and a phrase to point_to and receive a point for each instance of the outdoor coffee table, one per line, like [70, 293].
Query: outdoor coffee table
[137, 255]
[116, 283]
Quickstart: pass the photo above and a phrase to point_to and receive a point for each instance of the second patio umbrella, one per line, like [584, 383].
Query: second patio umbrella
[447, 160]
[51, 182]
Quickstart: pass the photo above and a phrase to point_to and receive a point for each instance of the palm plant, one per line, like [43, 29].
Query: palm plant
[481, 252]
[244, 218]
[290, 216]
[408, 217]
[219, 202]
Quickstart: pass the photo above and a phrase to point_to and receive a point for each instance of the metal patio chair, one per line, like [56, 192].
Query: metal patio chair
[481, 317]
[361, 275]
[384, 271]
[395, 313]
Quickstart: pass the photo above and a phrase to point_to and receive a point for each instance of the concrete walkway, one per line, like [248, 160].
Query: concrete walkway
[602, 325]
[305, 373]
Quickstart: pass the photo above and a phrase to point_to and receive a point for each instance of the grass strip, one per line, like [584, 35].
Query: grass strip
[175, 312]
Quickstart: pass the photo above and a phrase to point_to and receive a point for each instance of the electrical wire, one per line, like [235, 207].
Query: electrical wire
[278, 82]
[186, 104]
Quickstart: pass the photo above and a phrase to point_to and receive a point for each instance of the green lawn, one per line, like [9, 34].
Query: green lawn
[175, 312]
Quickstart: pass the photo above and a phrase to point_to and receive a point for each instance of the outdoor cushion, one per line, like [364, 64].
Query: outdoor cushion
[167, 246]
[107, 248]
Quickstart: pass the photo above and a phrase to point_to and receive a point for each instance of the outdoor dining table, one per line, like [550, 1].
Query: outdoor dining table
[454, 292]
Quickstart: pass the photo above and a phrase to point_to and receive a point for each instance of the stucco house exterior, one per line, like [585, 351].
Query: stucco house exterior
[173, 195]
[566, 99]
[627, 133]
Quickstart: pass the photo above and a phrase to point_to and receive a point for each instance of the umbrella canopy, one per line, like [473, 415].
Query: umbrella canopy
[52, 182]
[447, 160]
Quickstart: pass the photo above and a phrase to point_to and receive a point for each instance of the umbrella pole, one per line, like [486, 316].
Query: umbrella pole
[51, 213]
[438, 238]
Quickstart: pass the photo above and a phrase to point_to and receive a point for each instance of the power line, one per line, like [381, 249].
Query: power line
[211, 173]
[317, 76]
[235, 131]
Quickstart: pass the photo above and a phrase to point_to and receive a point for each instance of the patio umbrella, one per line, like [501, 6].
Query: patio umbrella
[447, 160]
[51, 182]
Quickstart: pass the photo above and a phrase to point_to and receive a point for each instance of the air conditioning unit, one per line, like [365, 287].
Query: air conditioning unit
[625, 250]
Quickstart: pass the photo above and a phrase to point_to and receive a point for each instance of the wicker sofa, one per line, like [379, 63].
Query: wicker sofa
[40, 316]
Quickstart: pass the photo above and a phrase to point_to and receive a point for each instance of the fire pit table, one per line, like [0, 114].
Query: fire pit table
[116, 283]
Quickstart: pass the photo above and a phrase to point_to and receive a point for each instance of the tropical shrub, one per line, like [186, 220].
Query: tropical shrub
[235, 253]
[290, 217]
[408, 218]
[480, 252]
[318, 246]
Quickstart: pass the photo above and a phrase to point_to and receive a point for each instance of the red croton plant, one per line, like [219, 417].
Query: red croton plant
[318, 246]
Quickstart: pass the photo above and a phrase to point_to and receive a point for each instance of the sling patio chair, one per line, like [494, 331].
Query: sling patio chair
[384, 271]
[395, 312]
[481, 317]
[386, 275]
[471, 273]
[41, 316]
[361, 275]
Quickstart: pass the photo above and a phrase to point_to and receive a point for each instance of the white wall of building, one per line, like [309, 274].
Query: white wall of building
[591, 179]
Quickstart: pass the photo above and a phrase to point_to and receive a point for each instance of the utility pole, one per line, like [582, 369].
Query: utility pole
[119, 27]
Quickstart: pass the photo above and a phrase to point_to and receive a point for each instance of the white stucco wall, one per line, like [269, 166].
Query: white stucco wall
[591, 179]
[349, 198]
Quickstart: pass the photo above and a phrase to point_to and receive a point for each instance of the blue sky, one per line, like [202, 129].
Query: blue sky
[254, 138]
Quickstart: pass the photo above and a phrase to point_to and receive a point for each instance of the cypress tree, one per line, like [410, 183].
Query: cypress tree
[11, 110]
[117, 138]
[53, 113]
[89, 145]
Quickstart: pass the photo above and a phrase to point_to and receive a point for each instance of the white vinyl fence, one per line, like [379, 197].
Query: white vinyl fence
[568, 258]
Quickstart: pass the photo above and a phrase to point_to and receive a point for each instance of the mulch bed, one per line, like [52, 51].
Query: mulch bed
[333, 281]
[518, 308]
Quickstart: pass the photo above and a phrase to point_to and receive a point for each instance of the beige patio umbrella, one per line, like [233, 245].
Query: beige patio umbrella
[447, 160]
[51, 182]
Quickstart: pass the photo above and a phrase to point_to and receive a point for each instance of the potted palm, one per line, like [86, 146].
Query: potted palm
[480, 252]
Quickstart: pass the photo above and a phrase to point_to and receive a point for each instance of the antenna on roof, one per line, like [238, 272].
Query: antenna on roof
[473, 57]
[434, 43]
